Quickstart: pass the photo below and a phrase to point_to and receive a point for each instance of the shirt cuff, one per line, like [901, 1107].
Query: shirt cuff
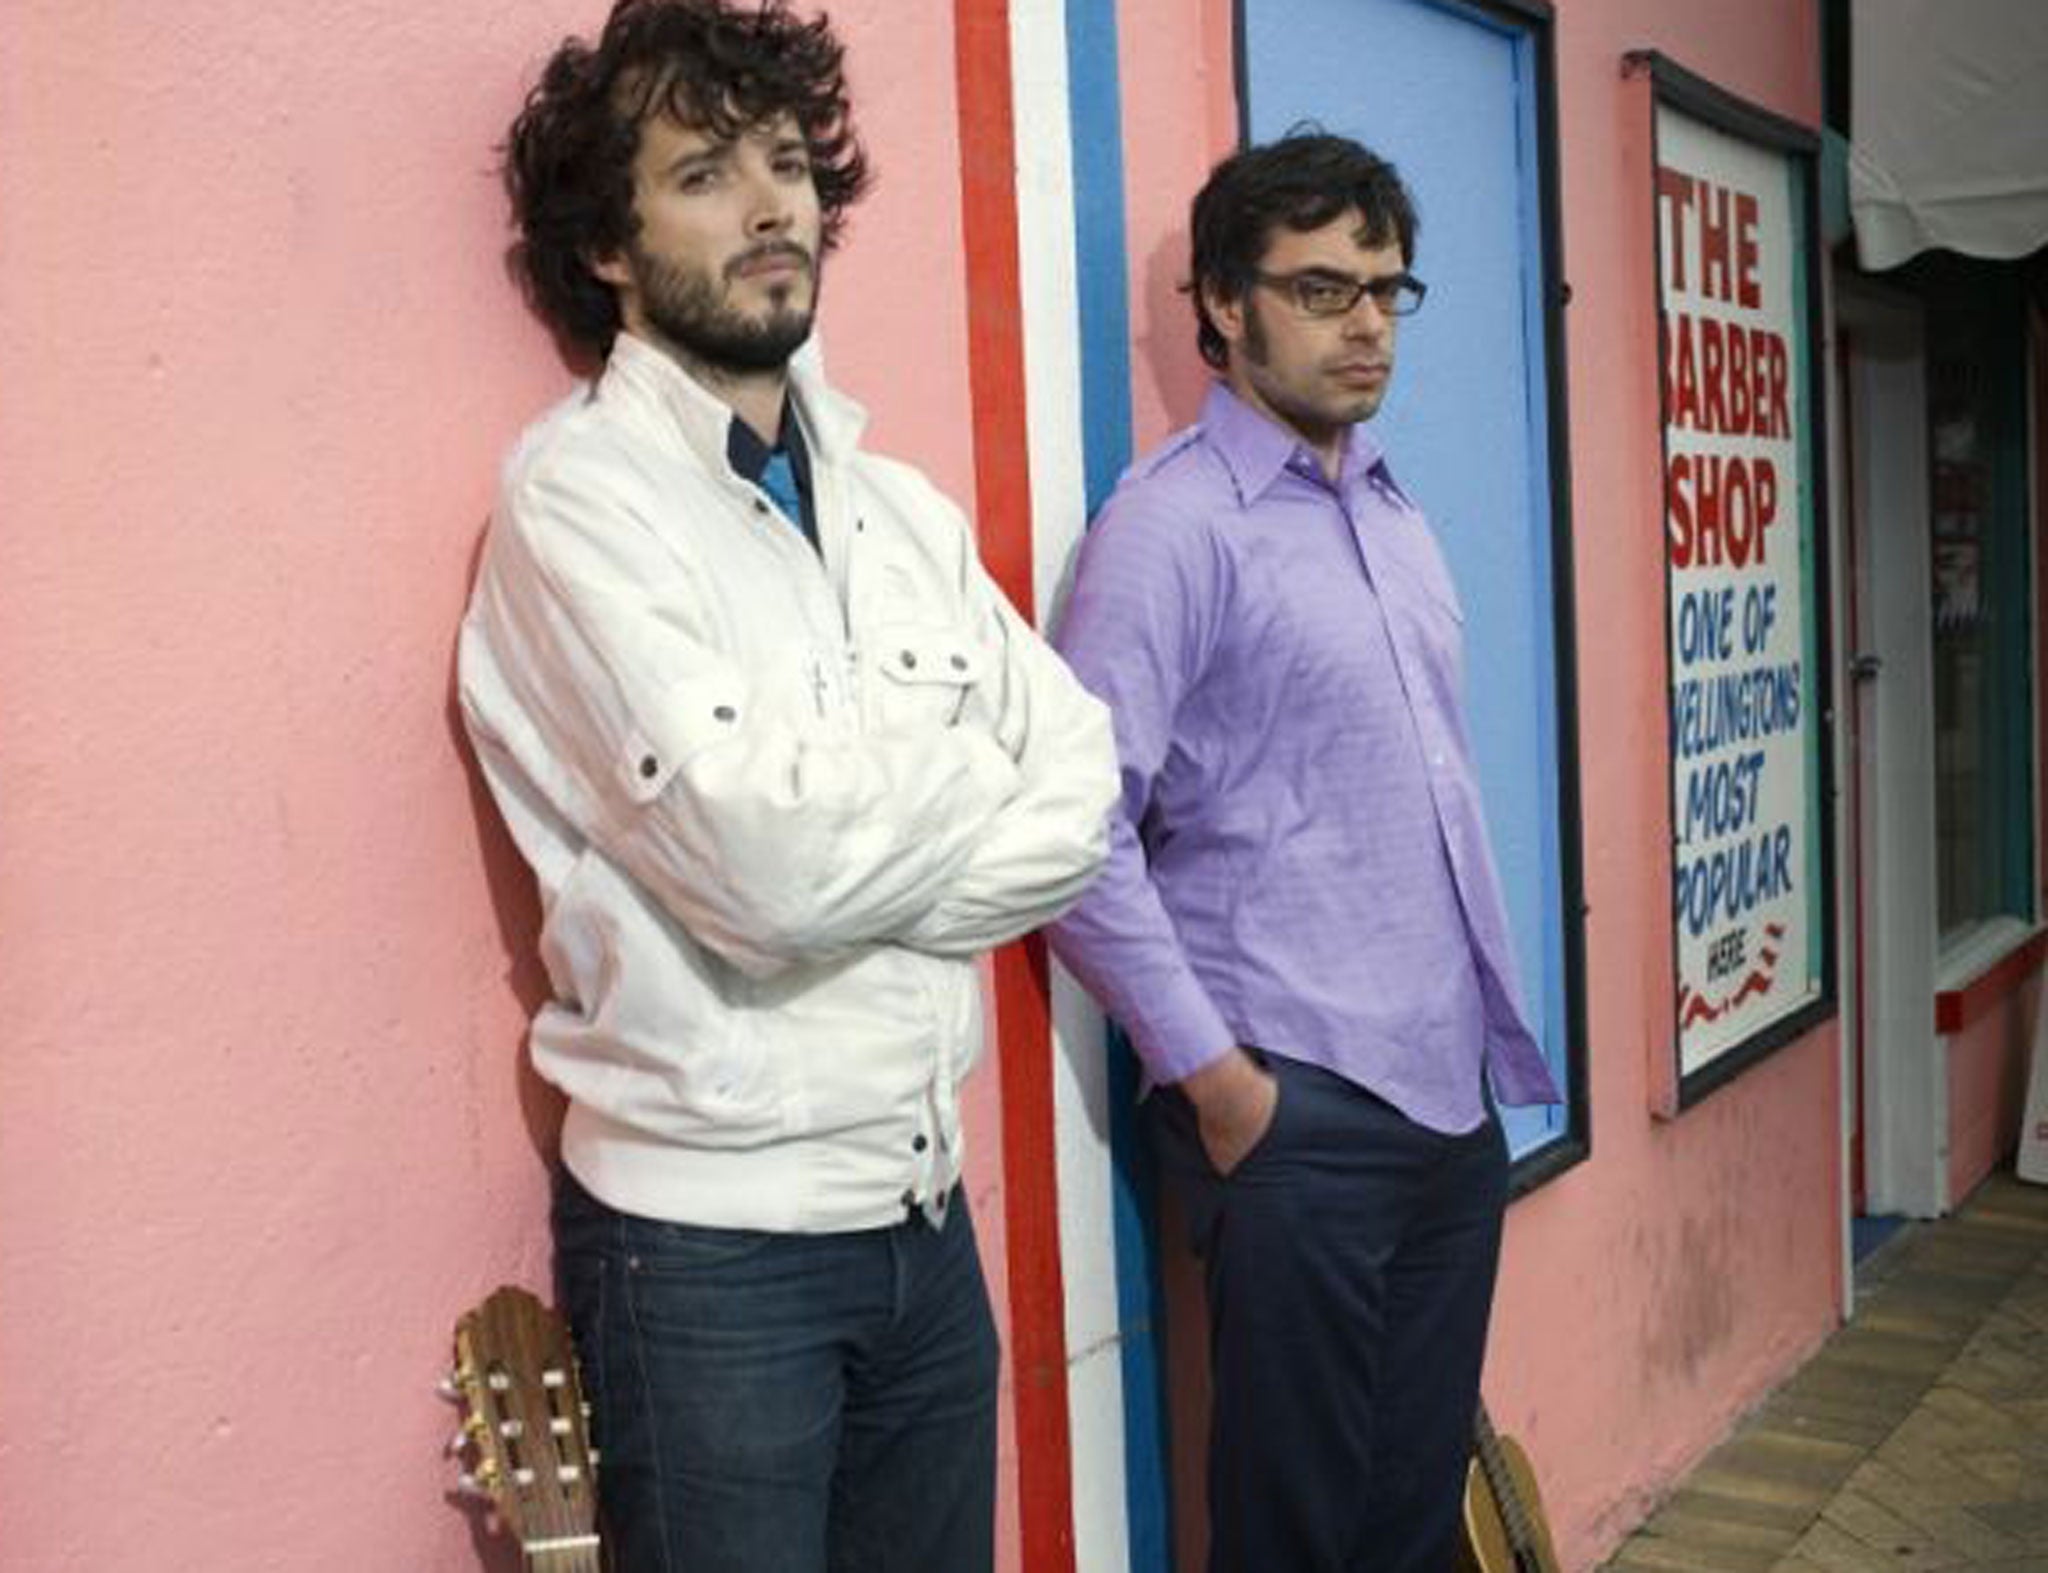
[1182, 1032]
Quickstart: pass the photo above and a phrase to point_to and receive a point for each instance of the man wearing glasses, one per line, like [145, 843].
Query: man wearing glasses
[1300, 926]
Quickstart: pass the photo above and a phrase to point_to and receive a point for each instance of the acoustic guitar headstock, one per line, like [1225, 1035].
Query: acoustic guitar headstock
[525, 1428]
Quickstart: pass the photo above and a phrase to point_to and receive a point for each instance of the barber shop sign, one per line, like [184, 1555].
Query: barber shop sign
[1737, 286]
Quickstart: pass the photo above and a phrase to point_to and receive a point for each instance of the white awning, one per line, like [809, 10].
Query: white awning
[1949, 127]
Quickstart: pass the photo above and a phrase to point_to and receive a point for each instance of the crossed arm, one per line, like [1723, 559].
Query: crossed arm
[587, 660]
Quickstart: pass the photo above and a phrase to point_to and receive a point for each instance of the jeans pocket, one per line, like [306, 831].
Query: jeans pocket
[682, 1250]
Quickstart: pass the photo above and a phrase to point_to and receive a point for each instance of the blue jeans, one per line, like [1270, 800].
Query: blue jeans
[784, 1403]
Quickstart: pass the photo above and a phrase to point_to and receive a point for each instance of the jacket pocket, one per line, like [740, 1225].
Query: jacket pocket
[927, 674]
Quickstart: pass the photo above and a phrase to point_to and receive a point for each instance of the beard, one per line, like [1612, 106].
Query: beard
[1257, 347]
[1299, 406]
[689, 309]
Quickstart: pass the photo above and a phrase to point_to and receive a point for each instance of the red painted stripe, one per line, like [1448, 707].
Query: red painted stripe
[995, 304]
[1002, 487]
[1955, 1009]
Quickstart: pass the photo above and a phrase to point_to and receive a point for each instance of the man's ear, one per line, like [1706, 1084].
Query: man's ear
[1226, 314]
[609, 268]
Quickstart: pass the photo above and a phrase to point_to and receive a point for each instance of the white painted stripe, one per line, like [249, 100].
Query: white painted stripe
[1052, 374]
[1095, 1389]
[1046, 284]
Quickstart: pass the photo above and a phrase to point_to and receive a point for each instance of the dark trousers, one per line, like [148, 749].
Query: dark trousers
[784, 1403]
[1349, 1263]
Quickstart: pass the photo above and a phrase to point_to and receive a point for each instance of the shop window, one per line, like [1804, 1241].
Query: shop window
[1982, 633]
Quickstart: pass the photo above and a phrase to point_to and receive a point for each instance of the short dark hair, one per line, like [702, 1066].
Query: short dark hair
[718, 64]
[1304, 180]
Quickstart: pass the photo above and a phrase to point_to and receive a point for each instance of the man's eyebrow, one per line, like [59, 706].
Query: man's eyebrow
[715, 153]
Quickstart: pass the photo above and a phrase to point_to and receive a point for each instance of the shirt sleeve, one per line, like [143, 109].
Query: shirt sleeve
[1136, 633]
[588, 657]
[1040, 850]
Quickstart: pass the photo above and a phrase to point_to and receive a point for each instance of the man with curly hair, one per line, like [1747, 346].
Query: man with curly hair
[783, 761]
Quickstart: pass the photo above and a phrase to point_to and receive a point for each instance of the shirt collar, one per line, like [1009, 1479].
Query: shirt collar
[1256, 448]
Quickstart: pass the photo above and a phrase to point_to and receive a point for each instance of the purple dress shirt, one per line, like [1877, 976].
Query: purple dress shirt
[1301, 863]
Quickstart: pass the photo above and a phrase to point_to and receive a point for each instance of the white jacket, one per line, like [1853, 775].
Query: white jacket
[775, 805]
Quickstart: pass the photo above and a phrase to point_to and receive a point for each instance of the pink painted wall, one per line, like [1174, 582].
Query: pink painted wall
[264, 1126]
[1653, 1293]
[1988, 1062]
[1177, 63]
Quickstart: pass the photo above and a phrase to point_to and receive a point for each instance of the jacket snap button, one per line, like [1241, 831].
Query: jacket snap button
[650, 767]
[918, 1143]
[725, 713]
[909, 1197]
[959, 663]
[909, 659]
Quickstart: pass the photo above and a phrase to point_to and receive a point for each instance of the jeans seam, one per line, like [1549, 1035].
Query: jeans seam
[660, 1493]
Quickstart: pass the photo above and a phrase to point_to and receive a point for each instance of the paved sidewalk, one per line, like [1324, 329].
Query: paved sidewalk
[1916, 1439]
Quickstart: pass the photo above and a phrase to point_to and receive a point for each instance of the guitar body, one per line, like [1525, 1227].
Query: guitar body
[1489, 1544]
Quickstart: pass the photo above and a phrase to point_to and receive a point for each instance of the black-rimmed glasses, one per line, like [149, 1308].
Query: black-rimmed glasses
[1319, 293]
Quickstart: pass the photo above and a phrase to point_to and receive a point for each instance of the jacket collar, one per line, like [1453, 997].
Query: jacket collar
[640, 374]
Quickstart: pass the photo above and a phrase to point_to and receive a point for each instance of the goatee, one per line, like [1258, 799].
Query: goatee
[691, 314]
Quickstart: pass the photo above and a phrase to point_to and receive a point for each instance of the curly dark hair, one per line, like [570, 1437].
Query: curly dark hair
[1305, 179]
[718, 64]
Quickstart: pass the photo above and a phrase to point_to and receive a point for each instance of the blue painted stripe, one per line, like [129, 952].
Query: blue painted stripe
[1101, 254]
[1141, 1321]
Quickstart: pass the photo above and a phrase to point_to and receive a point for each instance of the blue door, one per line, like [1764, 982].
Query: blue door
[1452, 95]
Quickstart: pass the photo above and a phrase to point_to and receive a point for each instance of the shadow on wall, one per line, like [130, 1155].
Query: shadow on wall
[1163, 335]
[515, 904]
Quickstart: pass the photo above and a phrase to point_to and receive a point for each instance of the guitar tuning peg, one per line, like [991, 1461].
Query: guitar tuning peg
[456, 1443]
[468, 1485]
[450, 1388]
